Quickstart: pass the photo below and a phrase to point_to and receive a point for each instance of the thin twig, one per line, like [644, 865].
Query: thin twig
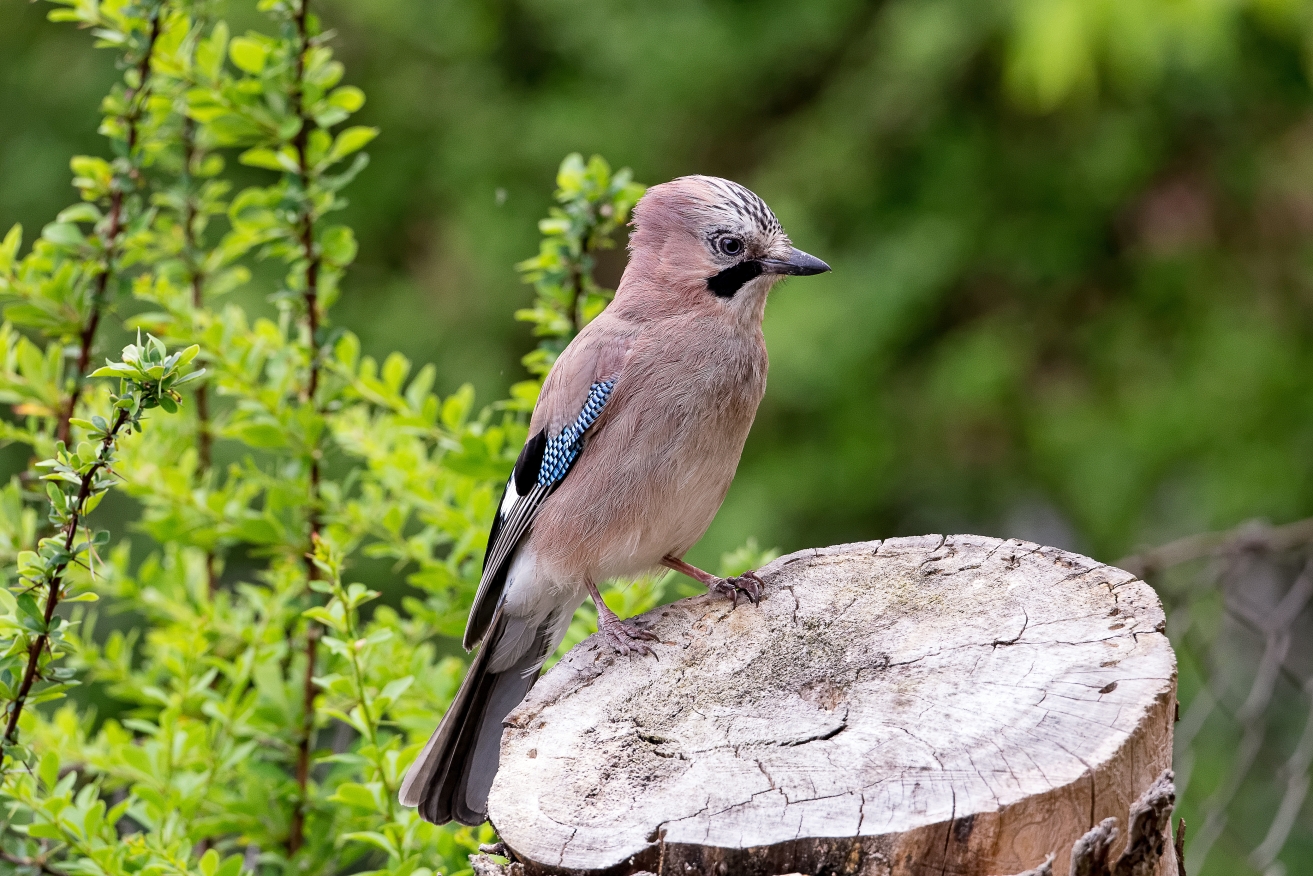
[204, 439]
[87, 337]
[55, 588]
[296, 833]
[362, 696]
[204, 429]
[1248, 536]
[1180, 847]
[311, 292]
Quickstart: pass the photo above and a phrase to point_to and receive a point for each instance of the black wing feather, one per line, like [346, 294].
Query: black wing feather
[525, 474]
[541, 467]
[522, 479]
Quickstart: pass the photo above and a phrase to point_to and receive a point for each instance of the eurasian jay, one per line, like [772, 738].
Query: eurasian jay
[634, 442]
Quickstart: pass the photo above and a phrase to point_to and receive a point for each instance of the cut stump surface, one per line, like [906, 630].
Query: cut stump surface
[958, 705]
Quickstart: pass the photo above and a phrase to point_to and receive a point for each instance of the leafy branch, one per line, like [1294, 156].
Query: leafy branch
[594, 202]
[76, 481]
[341, 616]
[137, 40]
[267, 724]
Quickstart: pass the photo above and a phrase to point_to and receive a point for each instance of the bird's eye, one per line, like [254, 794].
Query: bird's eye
[731, 246]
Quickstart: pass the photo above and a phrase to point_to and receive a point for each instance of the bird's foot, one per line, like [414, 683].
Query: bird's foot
[625, 637]
[749, 584]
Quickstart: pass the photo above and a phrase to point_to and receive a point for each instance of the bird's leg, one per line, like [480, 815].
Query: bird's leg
[748, 583]
[622, 636]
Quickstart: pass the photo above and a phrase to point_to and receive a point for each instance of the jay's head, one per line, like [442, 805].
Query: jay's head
[708, 244]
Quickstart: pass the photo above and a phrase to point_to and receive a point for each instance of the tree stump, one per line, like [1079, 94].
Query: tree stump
[958, 705]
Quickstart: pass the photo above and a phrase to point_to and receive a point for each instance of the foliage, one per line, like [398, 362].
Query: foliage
[256, 709]
[1071, 288]
[76, 481]
[594, 203]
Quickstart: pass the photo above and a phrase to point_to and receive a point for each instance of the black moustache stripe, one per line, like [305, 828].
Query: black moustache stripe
[730, 280]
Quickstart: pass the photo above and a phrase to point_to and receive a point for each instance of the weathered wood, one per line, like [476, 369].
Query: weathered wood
[957, 705]
[1148, 830]
[1090, 854]
[1146, 847]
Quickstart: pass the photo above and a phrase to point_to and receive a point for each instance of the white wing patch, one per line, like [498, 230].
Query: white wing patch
[509, 498]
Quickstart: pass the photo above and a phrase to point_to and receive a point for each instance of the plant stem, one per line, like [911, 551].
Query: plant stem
[358, 672]
[55, 587]
[311, 292]
[204, 430]
[114, 231]
[204, 438]
[311, 299]
[296, 835]
[1248, 536]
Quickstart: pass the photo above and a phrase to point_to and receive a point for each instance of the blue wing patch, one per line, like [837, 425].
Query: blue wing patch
[563, 450]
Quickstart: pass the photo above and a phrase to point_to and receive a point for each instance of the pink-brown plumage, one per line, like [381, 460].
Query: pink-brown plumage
[691, 371]
[659, 461]
[682, 346]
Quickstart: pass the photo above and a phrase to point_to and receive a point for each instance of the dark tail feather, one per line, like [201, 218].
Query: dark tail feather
[452, 776]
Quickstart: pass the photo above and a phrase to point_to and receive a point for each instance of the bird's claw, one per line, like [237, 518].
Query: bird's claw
[625, 637]
[749, 584]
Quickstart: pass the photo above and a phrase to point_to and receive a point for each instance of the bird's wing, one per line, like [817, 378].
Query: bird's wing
[573, 399]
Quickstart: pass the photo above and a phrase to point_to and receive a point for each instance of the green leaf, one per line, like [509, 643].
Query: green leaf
[348, 350]
[338, 245]
[198, 374]
[396, 688]
[283, 159]
[248, 54]
[41, 830]
[9, 248]
[232, 866]
[355, 795]
[258, 434]
[210, 52]
[325, 617]
[93, 501]
[348, 98]
[349, 141]
[27, 605]
[116, 369]
[48, 771]
[186, 355]
[79, 213]
[64, 234]
[370, 837]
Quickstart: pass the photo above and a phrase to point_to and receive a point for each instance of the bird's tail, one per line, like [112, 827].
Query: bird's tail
[452, 776]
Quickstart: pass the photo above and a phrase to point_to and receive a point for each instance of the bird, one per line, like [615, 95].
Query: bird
[633, 443]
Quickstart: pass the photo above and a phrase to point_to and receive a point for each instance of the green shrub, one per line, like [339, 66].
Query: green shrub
[249, 709]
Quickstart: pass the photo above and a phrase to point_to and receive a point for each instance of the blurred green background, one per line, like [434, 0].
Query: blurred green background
[1071, 290]
[1072, 297]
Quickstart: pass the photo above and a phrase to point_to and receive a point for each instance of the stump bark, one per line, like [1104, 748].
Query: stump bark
[958, 705]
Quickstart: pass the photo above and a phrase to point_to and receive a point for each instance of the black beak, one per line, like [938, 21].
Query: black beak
[798, 264]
